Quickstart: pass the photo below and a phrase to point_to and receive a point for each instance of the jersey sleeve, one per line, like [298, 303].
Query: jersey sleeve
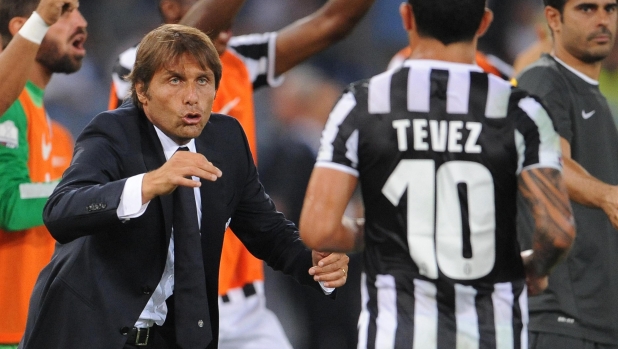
[120, 87]
[257, 51]
[537, 143]
[18, 209]
[547, 85]
[339, 143]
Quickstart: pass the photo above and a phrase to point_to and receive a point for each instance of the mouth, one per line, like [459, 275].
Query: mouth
[192, 118]
[77, 42]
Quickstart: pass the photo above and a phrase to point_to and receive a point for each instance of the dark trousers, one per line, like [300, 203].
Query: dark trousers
[543, 340]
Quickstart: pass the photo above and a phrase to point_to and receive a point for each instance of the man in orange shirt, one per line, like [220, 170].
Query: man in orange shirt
[249, 62]
[29, 144]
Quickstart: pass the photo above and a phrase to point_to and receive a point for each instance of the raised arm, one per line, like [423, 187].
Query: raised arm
[212, 16]
[17, 59]
[545, 196]
[316, 32]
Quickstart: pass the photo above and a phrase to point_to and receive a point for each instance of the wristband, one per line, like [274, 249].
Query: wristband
[34, 29]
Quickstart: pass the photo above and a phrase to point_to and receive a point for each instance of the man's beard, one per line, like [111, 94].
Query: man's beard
[50, 57]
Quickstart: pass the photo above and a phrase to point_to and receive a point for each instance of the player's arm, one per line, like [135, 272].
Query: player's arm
[314, 33]
[212, 16]
[21, 201]
[545, 195]
[17, 59]
[323, 226]
[587, 190]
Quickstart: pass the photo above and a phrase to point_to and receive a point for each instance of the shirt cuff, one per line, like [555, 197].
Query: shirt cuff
[131, 200]
[327, 290]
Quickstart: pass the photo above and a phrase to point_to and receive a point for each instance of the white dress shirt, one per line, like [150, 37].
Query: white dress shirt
[131, 207]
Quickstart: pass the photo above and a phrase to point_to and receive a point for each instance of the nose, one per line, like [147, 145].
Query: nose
[605, 17]
[191, 96]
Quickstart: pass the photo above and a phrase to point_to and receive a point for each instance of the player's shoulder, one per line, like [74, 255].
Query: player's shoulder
[544, 71]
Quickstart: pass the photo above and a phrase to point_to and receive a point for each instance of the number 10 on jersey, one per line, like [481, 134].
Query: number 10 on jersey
[434, 216]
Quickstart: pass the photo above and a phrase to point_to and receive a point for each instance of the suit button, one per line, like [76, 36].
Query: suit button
[146, 290]
[125, 331]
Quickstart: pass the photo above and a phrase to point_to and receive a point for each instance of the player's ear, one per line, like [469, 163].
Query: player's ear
[407, 16]
[15, 24]
[554, 18]
[142, 96]
[488, 17]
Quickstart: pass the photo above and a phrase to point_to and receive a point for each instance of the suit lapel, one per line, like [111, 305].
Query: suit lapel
[153, 159]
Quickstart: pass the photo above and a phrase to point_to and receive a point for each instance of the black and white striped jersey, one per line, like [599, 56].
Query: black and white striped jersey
[257, 51]
[437, 148]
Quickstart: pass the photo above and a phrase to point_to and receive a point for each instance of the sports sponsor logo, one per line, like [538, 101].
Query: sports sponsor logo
[9, 134]
[587, 115]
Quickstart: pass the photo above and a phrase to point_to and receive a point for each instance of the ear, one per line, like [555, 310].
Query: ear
[488, 17]
[407, 16]
[142, 96]
[554, 19]
[170, 11]
[15, 24]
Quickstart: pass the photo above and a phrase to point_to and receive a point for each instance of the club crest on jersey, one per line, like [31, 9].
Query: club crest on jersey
[9, 134]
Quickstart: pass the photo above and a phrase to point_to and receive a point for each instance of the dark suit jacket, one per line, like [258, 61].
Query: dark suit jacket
[104, 270]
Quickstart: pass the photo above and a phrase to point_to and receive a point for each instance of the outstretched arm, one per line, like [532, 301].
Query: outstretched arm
[17, 59]
[316, 32]
[545, 195]
[212, 16]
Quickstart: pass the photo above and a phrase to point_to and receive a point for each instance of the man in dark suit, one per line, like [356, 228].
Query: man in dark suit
[113, 281]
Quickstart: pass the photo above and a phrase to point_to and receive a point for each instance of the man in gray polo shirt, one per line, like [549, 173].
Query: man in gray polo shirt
[580, 307]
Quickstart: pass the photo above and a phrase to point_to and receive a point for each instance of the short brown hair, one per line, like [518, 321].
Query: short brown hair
[10, 9]
[166, 44]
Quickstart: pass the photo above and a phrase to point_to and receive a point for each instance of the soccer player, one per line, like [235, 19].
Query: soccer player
[32, 152]
[579, 308]
[440, 149]
[18, 55]
[250, 62]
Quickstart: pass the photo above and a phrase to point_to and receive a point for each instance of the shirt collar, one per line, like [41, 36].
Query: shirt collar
[584, 77]
[170, 147]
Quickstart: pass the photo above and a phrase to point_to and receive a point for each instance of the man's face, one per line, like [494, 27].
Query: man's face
[179, 99]
[588, 29]
[62, 49]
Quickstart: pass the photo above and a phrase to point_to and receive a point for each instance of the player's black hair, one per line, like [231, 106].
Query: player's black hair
[448, 21]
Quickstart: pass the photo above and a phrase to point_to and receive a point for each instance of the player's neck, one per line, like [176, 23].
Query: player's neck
[591, 70]
[459, 52]
[40, 76]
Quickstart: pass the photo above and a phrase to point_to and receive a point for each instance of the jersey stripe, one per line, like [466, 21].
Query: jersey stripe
[379, 94]
[466, 317]
[498, 95]
[341, 110]
[425, 315]
[363, 319]
[503, 300]
[458, 92]
[386, 322]
[419, 89]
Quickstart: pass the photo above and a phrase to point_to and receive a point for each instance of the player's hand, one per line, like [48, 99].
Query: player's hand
[330, 268]
[536, 283]
[51, 10]
[178, 170]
